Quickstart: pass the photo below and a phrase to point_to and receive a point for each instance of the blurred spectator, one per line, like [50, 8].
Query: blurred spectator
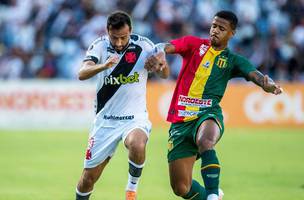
[48, 39]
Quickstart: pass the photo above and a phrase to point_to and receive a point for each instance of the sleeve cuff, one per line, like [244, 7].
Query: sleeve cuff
[92, 58]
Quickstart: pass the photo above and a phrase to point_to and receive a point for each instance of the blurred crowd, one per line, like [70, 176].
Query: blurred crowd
[48, 38]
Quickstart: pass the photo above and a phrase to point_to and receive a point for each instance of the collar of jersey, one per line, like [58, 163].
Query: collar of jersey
[212, 50]
[122, 51]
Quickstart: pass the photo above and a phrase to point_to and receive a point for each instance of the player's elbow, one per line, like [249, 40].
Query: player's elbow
[165, 72]
[164, 76]
[83, 73]
[82, 76]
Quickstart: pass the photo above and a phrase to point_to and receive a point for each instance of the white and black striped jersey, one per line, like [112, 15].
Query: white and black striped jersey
[121, 90]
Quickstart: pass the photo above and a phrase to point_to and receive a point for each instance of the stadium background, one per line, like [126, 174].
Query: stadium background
[46, 113]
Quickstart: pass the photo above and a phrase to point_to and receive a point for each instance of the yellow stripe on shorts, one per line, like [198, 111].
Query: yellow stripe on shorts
[211, 165]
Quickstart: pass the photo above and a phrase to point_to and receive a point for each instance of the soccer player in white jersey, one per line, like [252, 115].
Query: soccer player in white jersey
[118, 60]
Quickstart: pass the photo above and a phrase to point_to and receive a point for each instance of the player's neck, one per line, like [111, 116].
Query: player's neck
[220, 47]
[123, 49]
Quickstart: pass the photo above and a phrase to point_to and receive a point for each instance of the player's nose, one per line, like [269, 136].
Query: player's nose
[119, 43]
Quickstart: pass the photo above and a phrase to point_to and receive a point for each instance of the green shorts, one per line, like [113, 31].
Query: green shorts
[182, 136]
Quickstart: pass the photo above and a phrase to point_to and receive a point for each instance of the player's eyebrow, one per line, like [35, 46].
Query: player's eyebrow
[119, 36]
[220, 26]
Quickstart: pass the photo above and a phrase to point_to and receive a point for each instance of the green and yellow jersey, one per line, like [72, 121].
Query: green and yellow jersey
[203, 78]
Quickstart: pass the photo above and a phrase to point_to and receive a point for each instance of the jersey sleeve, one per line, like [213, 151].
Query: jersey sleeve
[242, 67]
[147, 45]
[184, 44]
[94, 51]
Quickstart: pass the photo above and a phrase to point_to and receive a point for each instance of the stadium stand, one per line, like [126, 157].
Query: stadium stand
[48, 39]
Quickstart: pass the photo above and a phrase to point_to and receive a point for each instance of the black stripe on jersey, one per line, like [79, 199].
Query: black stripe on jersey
[123, 67]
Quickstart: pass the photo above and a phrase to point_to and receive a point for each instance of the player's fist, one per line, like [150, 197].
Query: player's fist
[111, 61]
[155, 63]
[270, 86]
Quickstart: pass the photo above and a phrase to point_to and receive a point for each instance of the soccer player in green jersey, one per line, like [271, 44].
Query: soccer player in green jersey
[195, 113]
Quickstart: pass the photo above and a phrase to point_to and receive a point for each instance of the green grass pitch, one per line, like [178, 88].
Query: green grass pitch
[257, 164]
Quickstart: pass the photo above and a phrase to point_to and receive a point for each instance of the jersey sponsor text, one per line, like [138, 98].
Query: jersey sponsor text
[187, 113]
[114, 117]
[190, 101]
[121, 79]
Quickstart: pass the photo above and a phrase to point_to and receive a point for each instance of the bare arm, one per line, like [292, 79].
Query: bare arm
[265, 82]
[89, 68]
[168, 48]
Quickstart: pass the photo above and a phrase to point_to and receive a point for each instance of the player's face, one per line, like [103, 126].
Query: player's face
[220, 32]
[119, 37]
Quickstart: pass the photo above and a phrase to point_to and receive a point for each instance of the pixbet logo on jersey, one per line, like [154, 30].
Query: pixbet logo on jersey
[121, 79]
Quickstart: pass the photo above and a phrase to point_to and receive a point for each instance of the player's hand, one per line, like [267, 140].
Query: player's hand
[270, 86]
[156, 63]
[111, 61]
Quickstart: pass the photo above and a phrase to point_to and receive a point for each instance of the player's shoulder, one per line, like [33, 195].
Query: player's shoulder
[238, 58]
[193, 41]
[141, 41]
[236, 55]
[101, 41]
[196, 39]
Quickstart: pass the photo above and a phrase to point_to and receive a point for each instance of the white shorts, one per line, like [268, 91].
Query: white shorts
[103, 141]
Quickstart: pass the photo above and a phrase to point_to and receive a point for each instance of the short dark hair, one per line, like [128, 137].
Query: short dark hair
[229, 16]
[118, 19]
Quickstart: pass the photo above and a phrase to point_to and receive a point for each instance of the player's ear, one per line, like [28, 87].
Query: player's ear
[233, 31]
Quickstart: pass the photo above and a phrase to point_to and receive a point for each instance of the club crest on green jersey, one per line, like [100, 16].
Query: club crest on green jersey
[222, 62]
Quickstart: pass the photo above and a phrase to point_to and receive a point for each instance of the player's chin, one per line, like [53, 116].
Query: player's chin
[118, 49]
[214, 41]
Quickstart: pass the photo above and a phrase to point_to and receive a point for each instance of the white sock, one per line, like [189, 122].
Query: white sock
[220, 192]
[212, 197]
[132, 183]
[83, 193]
[132, 180]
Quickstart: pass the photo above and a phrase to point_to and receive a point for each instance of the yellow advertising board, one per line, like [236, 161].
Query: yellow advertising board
[243, 105]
